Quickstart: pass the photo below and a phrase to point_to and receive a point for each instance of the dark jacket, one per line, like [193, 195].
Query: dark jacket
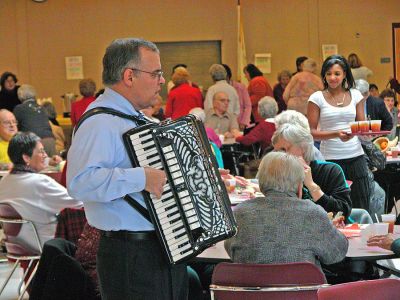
[376, 110]
[395, 85]
[330, 177]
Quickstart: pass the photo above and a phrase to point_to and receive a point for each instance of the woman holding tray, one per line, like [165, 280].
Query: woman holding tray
[333, 109]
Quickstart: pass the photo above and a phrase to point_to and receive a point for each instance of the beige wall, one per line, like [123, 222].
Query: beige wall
[35, 38]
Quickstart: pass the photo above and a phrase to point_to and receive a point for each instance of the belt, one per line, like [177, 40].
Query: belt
[129, 235]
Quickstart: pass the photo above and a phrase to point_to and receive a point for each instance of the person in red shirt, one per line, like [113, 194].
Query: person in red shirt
[262, 133]
[258, 88]
[183, 97]
[87, 88]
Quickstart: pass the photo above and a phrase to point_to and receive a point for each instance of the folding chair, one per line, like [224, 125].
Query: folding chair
[381, 289]
[266, 281]
[12, 223]
[55, 175]
[360, 216]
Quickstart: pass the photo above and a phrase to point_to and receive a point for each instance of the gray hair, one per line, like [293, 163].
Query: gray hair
[199, 113]
[26, 92]
[87, 87]
[310, 65]
[50, 110]
[217, 72]
[284, 73]
[292, 117]
[298, 136]
[281, 172]
[363, 86]
[267, 107]
[122, 54]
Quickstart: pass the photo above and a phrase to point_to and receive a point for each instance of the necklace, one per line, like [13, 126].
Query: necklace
[338, 103]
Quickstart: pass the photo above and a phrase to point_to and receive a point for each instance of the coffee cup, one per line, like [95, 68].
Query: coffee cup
[390, 219]
[380, 229]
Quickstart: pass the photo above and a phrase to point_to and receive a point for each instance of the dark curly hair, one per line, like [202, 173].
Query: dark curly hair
[4, 77]
[253, 71]
[342, 62]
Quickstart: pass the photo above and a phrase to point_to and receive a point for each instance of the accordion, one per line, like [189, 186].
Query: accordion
[194, 211]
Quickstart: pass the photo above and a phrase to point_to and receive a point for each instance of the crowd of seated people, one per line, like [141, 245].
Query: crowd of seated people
[328, 103]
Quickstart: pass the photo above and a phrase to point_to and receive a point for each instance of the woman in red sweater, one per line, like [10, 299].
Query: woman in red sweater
[262, 133]
[258, 88]
[183, 96]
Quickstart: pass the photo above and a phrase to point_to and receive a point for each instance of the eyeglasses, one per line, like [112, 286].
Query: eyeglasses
[9, 123]
[155, 74]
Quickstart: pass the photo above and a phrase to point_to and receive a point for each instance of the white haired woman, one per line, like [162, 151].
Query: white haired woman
[280, 227]
[324, 182]
[262, 133]
[296, 118]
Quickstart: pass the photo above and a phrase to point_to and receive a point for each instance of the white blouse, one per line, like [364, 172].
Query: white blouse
[38, 198]
[338, 118]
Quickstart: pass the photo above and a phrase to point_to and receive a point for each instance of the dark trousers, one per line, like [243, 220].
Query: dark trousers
[356, 170]
[138, 270]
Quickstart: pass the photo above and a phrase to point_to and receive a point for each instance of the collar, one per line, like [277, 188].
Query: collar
[275, 193]
[112, 99]
[224, 115]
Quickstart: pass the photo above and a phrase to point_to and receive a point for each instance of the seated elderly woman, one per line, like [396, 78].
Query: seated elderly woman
[262, 133]
[324, 182]
[296, 118]
[280, 227]
[36, 197]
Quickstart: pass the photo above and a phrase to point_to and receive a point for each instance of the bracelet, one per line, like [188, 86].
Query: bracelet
[315, 189]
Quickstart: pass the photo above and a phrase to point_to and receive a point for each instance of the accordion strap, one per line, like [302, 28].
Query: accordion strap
[132, 202]
[106, 110]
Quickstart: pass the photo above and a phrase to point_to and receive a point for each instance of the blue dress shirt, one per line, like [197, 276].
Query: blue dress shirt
[100, 172]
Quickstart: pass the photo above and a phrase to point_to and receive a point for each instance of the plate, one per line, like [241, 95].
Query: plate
[383, 132]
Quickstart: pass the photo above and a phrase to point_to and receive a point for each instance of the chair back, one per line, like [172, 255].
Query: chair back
[55, 175]
[381, 289]
[12, 223]
[7, 215]
[360, 216]
[271, 281]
